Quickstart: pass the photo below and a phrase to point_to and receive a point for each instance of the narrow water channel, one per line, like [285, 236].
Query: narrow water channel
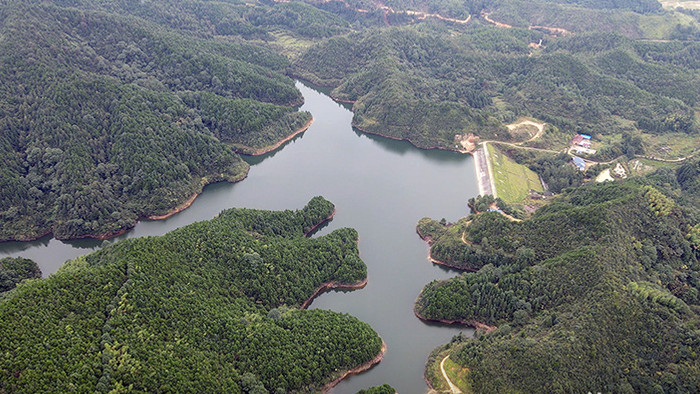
[380, 186]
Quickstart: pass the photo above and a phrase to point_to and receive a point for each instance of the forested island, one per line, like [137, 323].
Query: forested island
[598, 291]
[210, 307]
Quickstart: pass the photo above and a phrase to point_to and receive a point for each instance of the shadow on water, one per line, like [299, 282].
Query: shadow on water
[90, 243]
[254, 160]
[11, 247]
[320, 227]
[326, 90]
[402, 147]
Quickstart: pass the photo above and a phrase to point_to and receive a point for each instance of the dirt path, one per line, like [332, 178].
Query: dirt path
[423, 15]
[454, 389]
[464, 235]
[539, 126]
[553, 31]
[524, 147]
[668, 160]
[485, 15]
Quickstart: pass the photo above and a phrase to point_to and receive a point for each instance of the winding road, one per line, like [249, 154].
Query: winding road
[453, 389]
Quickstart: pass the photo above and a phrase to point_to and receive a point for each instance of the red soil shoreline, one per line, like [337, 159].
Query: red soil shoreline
[341, 100]
[403, 139]
[472, 323]
[372, 132]
[186, 204]
[331, 286]
[429, 240]
[279, 143]
[181, 207]
[359, 369]
[463, 322]
[121, 231]
[328, 219]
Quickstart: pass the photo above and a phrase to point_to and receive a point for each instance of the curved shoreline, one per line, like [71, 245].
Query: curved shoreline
[429, 240]
[279, 143]
[462, 322]
[359, 369]
[181, 207]
[317, 225]
[354, 125]
[391, 137]
[448, 265]
[333, 285]
[341, 100]
[186, 204]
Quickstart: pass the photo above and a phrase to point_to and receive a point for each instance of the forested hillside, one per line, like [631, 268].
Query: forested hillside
[211, 307]
[598, 291]
[107, 117]
[115, 110]
[427, 85]
[15, 270]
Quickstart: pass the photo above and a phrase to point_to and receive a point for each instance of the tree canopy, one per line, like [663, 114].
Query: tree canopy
[210, 307]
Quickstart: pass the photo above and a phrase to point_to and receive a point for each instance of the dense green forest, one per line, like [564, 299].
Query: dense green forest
[598, 291]
[107, 117]
[210, 307]
[115, 110]
[383, 389]
[427, 85]
[15, 270]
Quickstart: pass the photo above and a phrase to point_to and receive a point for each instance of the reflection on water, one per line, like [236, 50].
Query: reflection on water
[381, 187]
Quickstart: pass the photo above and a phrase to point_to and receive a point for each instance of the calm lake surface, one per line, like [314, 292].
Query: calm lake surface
[381, 187]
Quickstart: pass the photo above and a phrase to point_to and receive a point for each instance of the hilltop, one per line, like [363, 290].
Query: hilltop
[597, 291]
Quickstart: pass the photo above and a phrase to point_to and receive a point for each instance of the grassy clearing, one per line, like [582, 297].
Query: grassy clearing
[687, 4]
[553, 138]
[670, 145]
[290, 45]
[432, 369]
[457, 375]
[513, 180]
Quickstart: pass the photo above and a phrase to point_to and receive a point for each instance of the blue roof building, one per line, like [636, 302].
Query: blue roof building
[579, 163]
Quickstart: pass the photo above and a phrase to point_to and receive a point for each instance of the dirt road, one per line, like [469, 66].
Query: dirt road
[454, 389]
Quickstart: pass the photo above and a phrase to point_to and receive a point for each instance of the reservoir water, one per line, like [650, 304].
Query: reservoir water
[380, 187]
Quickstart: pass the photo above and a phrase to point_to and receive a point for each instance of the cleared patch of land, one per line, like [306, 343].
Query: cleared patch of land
[687, 4]
[670, 146]
[526, 129]
[513, 181]
[457, 375]
[289, 45]
[604, 176]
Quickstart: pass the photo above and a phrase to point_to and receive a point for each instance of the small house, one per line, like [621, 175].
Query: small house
[579, 163]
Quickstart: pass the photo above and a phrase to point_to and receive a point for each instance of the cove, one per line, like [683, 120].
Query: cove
[381, 187]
